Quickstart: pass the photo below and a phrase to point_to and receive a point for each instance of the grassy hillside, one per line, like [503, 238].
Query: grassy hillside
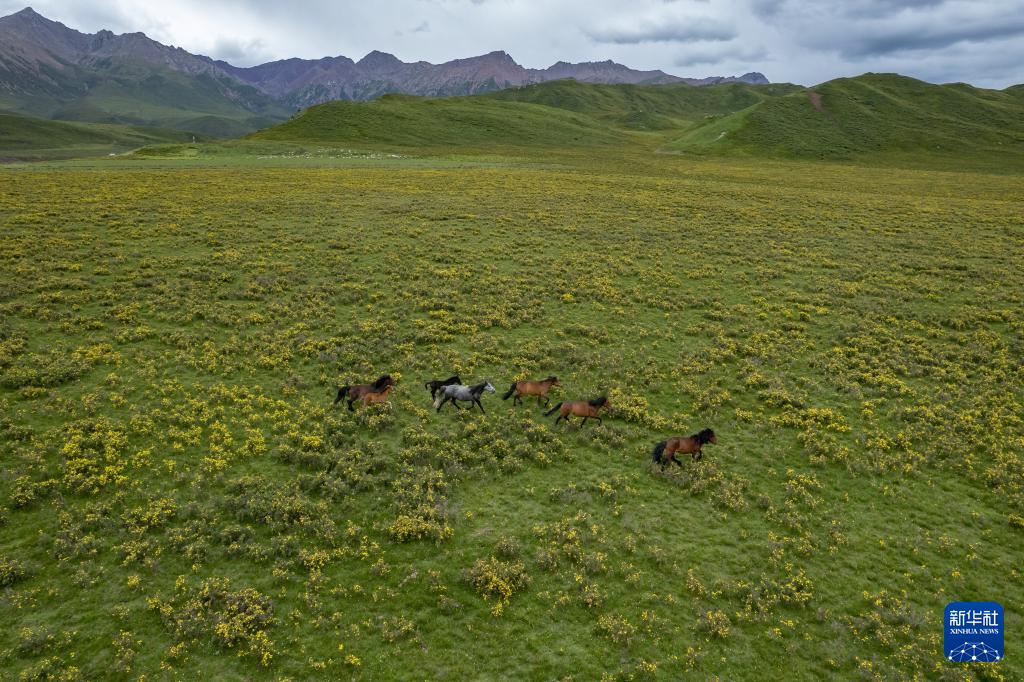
[643, 106]
[138, 94]
[872, 116]
[27, 138]
[879, 118]
[460, 122]
[179, 498]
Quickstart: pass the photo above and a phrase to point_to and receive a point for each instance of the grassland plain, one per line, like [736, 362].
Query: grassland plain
[172, 331]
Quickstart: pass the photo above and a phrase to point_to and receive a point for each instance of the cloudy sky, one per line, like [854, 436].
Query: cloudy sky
[802, 41]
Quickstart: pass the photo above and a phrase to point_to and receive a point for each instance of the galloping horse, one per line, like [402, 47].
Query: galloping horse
[581, 408]
[537, 388]
[436, 385]
[465, 393]
[356, 392]
[377, 396]
[665, 451]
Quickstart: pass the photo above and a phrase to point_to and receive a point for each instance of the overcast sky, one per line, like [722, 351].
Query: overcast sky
[801, 41]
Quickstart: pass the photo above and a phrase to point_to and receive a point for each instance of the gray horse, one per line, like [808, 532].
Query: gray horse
[464, 393]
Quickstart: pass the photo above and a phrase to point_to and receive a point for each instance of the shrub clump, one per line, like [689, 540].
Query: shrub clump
[11, 571]
[495, 579]
[232, 619]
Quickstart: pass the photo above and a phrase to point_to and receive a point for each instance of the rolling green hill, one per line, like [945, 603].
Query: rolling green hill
[660, 107]
[28, 138]
[880, 118]
[873, 115]
[465, 122]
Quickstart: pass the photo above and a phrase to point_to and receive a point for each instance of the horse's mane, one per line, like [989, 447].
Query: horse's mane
[382, 382]
[598, 402]
[478, 387]
[552, 378]
[703, 436]
[452, 379]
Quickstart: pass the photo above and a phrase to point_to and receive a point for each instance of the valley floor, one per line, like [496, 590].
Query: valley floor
[181, 498]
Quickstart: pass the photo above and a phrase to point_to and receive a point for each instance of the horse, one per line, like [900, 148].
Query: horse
[581, 408]
[377, 397]
[665, 451]
[465, 393]
[436, 385]
[537, 388]
[357, 391]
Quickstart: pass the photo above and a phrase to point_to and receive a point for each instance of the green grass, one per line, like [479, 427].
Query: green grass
[27, 138]
[173, 326]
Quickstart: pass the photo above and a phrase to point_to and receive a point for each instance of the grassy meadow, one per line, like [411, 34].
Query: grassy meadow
[180, 498]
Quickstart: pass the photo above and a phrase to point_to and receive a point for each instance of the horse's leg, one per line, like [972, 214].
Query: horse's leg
[700, 455]
[350, 408]
[584, 422]
[599, 421]
[680, 464]
[478, 404]
[441, 404]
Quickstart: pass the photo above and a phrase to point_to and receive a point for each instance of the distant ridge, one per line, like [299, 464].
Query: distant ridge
[52, 71]
[301, 82]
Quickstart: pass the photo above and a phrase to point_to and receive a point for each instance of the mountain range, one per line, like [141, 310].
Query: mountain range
[51, 71]
[302, 82]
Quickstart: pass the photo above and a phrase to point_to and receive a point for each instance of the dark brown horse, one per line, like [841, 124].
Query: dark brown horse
[437, 384]
[527, 387]
[356, 392]
[580, 408]
[665, 451]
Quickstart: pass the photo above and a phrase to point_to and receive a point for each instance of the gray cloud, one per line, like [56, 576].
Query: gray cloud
[720, 52]
[859, 30]
[803, 41]
[233, 50]
[912, 39]
[675, 31]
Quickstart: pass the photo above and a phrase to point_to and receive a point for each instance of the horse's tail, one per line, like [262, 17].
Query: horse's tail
[552, 410]
[511, 390]
[658, 449]
[342, 392]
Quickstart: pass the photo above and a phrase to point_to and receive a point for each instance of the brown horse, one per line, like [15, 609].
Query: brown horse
[527, 387]
[356, 392]
[377, 396]
[580, 408]
[665, 451]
